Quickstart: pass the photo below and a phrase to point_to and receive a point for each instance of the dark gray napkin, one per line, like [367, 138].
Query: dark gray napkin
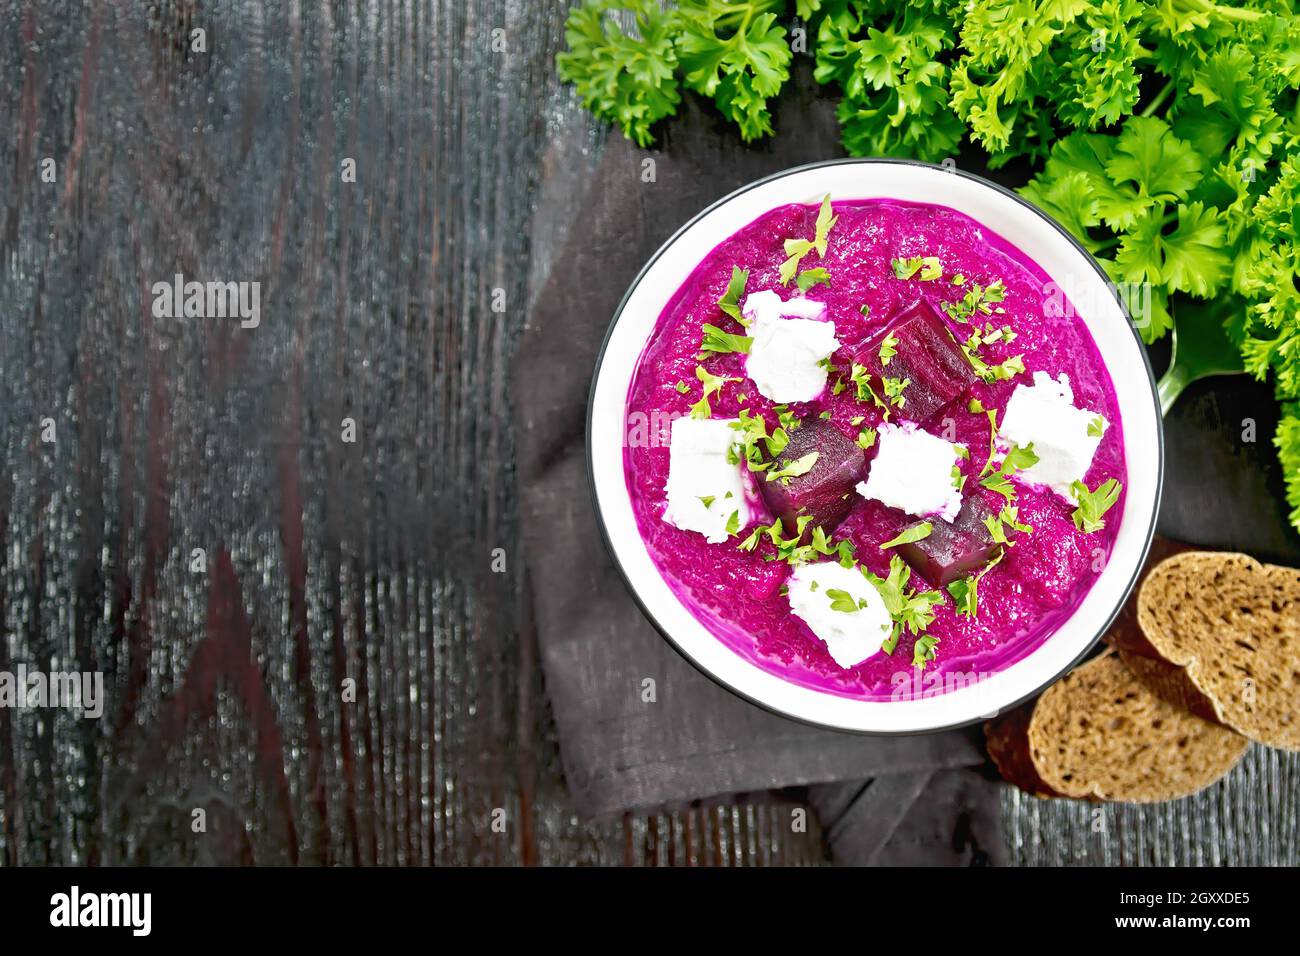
[620, 751]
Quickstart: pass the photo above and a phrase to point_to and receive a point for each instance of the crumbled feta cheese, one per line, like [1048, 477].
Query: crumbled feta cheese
[789, 344]
[1044, 415]
[850, 636]
[704, 489]
[912, 471]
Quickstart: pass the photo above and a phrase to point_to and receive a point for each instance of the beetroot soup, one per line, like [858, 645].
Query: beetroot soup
[881, 446]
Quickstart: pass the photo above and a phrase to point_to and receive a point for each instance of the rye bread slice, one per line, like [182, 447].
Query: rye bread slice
[1100, 734]
[1221, 637]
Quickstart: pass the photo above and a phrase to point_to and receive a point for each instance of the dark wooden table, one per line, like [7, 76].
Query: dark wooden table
[278, 544]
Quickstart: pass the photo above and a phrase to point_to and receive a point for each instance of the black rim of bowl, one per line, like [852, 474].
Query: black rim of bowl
[1155, 400]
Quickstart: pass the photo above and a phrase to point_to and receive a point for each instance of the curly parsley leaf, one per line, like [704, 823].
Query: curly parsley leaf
[889, 62]
[736, 53]
[628, 79]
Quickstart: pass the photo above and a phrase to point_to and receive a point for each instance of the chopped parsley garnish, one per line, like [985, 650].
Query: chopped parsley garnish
[992, 373]
[712, 385]
[682, 388]
[1008, 517]
[752, 430]
[842, 601]
[888, 348]
[791, 551]
[794, 469]
[796, 249]
[730, 301]
[866, 438]
[910, 610]
[825, 416]
[924, 650]
[929, 267]
[908, 535]
[865, 310]
[1017, 459]
[976, 408]
[861, 378]
[788, 419]
[708, 500]
[812, 277]
[965, 595]
[733, 523]
[894, 390]
[1097, 427]
[978, 299]
[1093, 504]
[965, 591]
[716, 340]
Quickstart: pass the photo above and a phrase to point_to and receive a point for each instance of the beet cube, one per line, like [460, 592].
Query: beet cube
[926, 354]
[825, 491]
[954, 550]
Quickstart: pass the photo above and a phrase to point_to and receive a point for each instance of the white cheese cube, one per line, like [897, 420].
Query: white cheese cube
[912, 471]
[850, 636]
[704, 489]
[789, 343]
[1044, 415]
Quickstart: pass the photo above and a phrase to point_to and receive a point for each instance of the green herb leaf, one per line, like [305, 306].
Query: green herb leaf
[924, 650]
[908, 535]
[796, 249]
[730, 301]
[625, 78]
[1093, 504]
[1017, 459]
[980, 299]
[794, 469]
[894, 390]
[712, 385]
[888, 348]
[716, 340]
[812, 277]
[965, 595]
[841, 600]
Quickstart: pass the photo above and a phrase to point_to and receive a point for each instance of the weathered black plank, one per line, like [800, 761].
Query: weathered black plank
[325, 561]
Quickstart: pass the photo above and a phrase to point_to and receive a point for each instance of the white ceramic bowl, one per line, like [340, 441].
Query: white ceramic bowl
[1065, 262]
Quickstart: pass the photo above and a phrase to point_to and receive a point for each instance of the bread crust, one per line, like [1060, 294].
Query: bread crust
[1100, 734]
[1007, 738]
[1248, 626]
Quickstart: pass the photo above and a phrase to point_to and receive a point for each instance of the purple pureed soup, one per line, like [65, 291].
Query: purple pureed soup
[741, 595]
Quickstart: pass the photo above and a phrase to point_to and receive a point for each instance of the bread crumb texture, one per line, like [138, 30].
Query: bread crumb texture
[1100, 734]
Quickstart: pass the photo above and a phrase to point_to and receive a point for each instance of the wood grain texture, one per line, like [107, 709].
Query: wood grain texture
[327, 564]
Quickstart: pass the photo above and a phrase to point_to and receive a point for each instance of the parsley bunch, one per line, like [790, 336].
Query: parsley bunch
[733, 52]
[1163, 133]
